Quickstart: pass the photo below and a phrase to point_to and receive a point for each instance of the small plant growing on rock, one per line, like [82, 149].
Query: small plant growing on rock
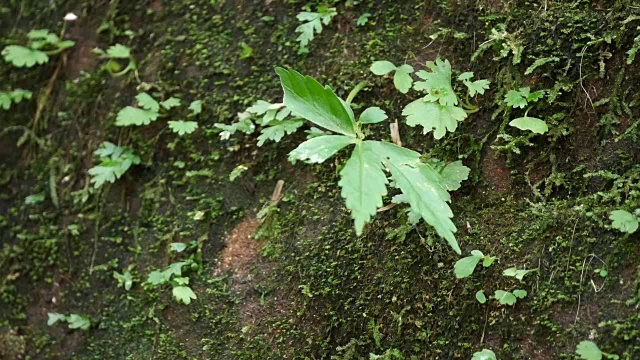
[40, 46]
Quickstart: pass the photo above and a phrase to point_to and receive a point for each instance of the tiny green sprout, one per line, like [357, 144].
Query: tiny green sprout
[481, 297]
[521, 99]
[465, 266]
[115, 55]
[602, 272]
[40, 46]
[125, 280]
[245, 51]
[402, 74]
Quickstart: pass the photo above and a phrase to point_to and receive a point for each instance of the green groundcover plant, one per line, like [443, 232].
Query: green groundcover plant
[373, 165]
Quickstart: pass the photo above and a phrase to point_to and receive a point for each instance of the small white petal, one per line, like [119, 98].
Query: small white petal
[70, 17]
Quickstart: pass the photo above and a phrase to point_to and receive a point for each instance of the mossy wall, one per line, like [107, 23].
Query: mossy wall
[318, 291]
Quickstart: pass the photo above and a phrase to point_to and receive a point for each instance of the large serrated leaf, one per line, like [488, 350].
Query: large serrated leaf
[434, 116]
[363, 184]
[319, 149]
[424, 190]
[307, 98]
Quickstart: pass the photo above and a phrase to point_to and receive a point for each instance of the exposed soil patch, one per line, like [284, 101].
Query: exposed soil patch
[495, 171]
[242, 251]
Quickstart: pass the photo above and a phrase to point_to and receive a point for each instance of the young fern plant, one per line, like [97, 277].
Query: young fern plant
[364, 179]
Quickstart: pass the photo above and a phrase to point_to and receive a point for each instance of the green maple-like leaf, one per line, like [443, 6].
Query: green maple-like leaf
[116, 161]
[147, 102]
[434, 116]
[118, 51]
[519, 293]
[475, 87]
[134, 116]
[521, 98]
[53, 318]
[532, 124]
[78, 322]
[277, 129]
[485, 354]
[588, 350]
[21, 56]
[505, 297]
[624, 221]
[305, 97]
[319, 149]
[183, 294]
[158, 277]
[170, 103]
[182, 127]
[437, 83]
[373, 115]
[363, 184]
[196, 107]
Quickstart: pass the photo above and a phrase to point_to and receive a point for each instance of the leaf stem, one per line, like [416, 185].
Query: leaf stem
[355, 92]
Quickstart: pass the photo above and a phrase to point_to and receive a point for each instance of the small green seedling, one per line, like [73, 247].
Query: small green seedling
[125, 280]
[521, 99]
[465, 266]
[7, 98]
[625, 221]
[602, 272]
[509, 298]
[481, 297]
[41, 45]
[116, 55]
[485, 354]
[402, 74]
[363, 178]
[115, 161]
[312, 23]
[74, 321]
[518, 274]
[441, 108]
